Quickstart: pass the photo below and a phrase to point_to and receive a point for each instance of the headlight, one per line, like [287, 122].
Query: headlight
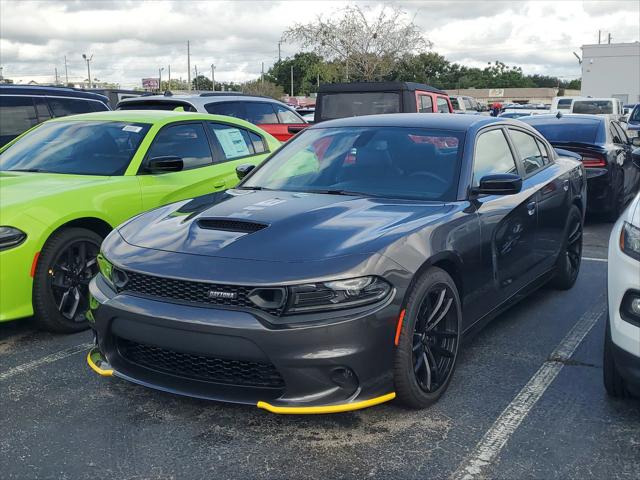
[106, 268]
[353, 292]
[630, 240]
[11, 237]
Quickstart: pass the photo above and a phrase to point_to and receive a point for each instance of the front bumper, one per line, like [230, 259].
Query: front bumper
[342, 365]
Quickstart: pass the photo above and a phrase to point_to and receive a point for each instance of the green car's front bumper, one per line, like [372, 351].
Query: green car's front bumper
[17, 266]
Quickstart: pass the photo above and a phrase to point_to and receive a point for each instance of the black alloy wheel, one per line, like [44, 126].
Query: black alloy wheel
[429, 340]
[570, 258]
[61, 287]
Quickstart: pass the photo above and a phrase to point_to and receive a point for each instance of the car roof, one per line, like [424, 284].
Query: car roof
[375, 87]
[50, 91]
[144, 116]
[573, 118]
[445, 121]
[200, 100]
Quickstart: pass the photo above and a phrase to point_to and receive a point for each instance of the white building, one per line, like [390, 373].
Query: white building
[612, 70]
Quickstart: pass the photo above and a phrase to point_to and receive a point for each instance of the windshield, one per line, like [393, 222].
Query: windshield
[393, 162]
[593, 107]
[635, 115]
[341, 105]
[73, 147]
[454, 102]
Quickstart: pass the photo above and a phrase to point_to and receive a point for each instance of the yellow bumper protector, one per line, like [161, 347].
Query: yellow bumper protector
[95, 361]
[345, 407]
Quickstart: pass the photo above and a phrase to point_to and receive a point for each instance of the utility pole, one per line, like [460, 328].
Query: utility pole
[88, 60]
[213, 77]
[55, 70]
[609, 40]
[599, 36]
[188, 66]
[169, 82]
[66, 72]
[196, 79]
[160, 78]
[279, 55]
[262, 74]
[292, 80]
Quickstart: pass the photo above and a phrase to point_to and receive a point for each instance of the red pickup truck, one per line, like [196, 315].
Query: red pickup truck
[339, 100]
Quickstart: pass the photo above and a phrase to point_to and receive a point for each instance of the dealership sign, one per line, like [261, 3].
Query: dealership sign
[496, 92]
[150, 83]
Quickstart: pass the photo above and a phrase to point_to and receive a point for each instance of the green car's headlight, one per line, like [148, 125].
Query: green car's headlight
[630, 240]
[11, 237]
[353, 292]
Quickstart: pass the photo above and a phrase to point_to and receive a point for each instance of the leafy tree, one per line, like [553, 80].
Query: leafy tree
[201, 83]
[308, 69]
[266, 88]
[174, 85]
[368, 48]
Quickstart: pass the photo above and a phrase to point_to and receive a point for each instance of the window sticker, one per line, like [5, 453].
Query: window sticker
[131, 128]
[232, 142]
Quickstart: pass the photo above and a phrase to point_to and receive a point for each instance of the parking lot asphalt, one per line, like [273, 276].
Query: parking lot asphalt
[522, 404]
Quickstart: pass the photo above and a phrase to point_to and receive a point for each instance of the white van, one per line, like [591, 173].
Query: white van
[597, 106]
[561, 104]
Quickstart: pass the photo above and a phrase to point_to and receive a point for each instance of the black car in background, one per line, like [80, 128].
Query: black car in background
[22, 107]
[343, 271]
[613, 170]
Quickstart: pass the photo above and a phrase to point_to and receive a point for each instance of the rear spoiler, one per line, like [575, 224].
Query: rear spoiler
[566, 153]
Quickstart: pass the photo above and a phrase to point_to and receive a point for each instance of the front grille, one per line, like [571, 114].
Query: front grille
[192, 292]
[200, 367]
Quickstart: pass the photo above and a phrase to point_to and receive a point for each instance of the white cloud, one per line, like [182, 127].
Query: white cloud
[132, 39]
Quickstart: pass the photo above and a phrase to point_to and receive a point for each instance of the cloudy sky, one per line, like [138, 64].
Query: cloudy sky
[130, 40]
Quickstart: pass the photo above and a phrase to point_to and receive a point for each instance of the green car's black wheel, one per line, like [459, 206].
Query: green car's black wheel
[61, 281]
[429, 339]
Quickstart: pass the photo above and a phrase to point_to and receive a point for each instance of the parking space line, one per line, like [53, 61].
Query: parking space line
[25, 367]
[494, 440]
[593, 259]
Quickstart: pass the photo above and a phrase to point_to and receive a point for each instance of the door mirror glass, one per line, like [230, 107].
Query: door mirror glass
[243, 170]
[499, 184]
[165, 164]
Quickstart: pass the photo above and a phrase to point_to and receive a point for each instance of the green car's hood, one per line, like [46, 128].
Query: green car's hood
[18, 188]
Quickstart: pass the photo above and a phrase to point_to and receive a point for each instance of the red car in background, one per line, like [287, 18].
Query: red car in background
[273, 116]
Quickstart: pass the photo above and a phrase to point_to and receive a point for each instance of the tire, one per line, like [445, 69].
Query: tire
[613, 382]
[59, 271]
[421, 370]
[570, 256]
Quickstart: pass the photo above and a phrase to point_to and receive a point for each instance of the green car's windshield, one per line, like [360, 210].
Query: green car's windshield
[395, 162]
[76, 147]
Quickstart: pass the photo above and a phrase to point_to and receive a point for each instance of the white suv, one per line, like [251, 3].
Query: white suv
[622, 337]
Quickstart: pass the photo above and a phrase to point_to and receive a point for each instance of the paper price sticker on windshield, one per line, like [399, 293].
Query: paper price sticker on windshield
[131, 128]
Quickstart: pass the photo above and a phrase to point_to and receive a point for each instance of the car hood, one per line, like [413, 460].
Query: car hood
[17, 188]
[279, 226]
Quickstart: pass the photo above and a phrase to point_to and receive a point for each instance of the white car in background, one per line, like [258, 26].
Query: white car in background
[622, 337]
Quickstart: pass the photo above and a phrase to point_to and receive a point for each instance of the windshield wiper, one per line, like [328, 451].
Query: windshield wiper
[38, 170]
[350, 193]
[253, 188]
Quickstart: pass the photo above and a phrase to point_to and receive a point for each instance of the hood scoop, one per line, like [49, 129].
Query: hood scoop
[230, 225]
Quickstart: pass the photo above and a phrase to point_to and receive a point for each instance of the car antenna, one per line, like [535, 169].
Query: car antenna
[168, 93]
[559, 114]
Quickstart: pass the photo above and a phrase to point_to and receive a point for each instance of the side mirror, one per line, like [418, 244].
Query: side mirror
[635, 155]
[635, 141]
[165, 164]
[499, 184]
[243, 170]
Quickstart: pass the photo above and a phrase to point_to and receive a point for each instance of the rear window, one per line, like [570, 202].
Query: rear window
[253, 112]
[61, 107]
[593, 107]
[155, 105]
[564, 104]
[565, 132]
[341, 105]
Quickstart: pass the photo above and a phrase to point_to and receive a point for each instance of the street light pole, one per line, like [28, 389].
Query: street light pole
[160, 78]
[88, 60]
[213, 77]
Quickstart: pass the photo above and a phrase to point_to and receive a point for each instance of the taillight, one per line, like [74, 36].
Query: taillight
[594, 161]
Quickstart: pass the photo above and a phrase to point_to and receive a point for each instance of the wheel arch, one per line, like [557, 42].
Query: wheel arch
[95, 224]
[448, 261]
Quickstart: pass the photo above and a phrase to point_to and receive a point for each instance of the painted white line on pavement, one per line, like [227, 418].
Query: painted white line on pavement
[25, 367]
[593, 259]
[494, 440]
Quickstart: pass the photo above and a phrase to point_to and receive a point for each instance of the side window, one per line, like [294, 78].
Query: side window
[615, 135]
[42, 109]
[443, 105]
[61, 107]
[187, 141]
[260, 112]
[492, 155]
[234, 142]
[425, 104]
[286, 116]
[467, 104]
[621, 133]
[258, 143]
[544, 152]
[230, 109]
[528, 150]
[97, 106]
[17, 114]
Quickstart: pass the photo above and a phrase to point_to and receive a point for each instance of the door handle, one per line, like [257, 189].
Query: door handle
[219, 185]
[531, 208]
